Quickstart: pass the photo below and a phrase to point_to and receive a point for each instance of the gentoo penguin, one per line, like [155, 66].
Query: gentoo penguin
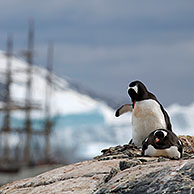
[147, 112]
[162, 142]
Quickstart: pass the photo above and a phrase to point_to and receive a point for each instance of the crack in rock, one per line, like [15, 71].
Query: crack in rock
[112, 173]
[31, 184]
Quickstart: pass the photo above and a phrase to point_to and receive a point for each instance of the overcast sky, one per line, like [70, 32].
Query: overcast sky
[105, 44]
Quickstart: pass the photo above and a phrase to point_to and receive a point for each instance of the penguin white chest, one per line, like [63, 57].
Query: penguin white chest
[171, 152]
[146, 117]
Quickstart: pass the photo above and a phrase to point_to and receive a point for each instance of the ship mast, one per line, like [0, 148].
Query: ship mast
[7, 105]
[48, 121]
[28, 125]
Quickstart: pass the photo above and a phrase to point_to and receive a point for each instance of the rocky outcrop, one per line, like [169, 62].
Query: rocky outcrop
[117, 170]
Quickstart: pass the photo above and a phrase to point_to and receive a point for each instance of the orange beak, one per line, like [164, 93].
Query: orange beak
[157, 140]
[134, 102]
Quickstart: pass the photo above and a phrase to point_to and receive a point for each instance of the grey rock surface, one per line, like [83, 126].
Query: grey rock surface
[118, 170]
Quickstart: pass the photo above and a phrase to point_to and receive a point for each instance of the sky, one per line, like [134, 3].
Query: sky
[103, 45]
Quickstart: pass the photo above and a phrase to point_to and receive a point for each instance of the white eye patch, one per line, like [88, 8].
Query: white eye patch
[164, 132]
[135, 88]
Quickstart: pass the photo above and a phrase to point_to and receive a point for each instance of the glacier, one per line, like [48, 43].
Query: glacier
[83, 126]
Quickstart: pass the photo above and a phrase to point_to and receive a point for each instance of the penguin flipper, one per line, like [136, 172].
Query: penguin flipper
[123, 109]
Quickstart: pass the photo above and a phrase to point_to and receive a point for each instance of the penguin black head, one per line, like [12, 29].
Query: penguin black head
[160, 136]
[137, 91]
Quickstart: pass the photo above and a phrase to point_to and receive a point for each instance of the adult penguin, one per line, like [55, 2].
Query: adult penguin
[147, 112]
[162, 142]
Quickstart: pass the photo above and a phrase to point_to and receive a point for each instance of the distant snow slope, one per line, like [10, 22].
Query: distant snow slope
[83, 126]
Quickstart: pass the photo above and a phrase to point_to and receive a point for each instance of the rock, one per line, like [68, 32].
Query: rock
[83, 177]
[188, 142]
[164, 177]
[101, 177]
[125, 151]
[128, 164]
[112, 173]
[118, 170]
